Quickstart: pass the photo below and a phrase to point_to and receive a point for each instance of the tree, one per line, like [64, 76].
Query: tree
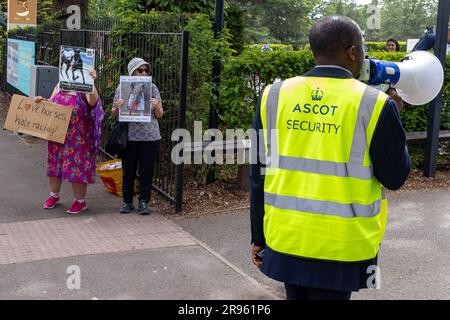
[401, 19]
[277, 21]
[45, 11]
[405, 19]
[288, 20]
[347, 8]
[191, 6]
[60, 7]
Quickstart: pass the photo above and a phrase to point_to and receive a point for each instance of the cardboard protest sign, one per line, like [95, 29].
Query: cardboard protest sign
[44, 120]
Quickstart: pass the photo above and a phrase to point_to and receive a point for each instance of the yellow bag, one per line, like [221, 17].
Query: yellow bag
[111, 174]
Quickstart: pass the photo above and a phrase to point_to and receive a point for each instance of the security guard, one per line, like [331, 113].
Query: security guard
[331, 143]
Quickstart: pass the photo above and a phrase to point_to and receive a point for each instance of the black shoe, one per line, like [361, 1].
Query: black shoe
[127, 208]
[143, 208]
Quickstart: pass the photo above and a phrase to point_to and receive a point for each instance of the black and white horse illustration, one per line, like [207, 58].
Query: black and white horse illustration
[77, 64]
[66, 59]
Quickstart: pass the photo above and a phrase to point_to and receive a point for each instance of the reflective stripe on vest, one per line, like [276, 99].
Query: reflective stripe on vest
[314, 207]
[350, 210]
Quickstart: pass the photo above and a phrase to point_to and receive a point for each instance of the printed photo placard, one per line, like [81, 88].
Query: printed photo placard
[136, 93]
[74, 67]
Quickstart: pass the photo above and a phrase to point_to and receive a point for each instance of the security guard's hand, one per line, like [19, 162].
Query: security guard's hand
[394, 95]
[256, 261]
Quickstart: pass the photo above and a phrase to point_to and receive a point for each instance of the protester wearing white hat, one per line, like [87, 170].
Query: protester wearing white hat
[143, 145]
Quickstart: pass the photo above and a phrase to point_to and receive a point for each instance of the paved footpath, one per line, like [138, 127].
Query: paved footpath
[117, 256]
[173, 257]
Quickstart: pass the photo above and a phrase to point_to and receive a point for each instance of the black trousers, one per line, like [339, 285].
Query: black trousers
[139, 156]
[294, 292]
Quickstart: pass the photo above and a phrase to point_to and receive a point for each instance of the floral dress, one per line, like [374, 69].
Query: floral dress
[74, 161]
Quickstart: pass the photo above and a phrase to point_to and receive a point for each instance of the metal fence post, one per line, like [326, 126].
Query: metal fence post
[182, 117]
[5, 62]
[440, 49]
[84, 39]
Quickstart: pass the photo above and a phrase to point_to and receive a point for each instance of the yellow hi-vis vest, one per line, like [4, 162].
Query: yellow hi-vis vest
[321, 198]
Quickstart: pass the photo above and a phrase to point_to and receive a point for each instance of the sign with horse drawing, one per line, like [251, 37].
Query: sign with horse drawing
[136, 93]
[44, 120]
[74, 67]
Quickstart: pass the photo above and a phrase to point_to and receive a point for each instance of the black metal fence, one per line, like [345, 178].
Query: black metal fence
[3, 19]
[167, 22]
[168, 55]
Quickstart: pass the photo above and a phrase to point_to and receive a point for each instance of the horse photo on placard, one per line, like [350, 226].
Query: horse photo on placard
[136, 93]
[74, 67]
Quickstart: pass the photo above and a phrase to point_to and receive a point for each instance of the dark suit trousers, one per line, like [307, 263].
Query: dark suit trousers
[294, 292]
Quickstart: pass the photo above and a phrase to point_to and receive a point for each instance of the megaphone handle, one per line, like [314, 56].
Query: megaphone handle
[384, 87]
[393, 94]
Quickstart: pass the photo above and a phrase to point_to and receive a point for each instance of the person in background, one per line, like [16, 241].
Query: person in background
[392, 45]
[143, 145]
[74, 160]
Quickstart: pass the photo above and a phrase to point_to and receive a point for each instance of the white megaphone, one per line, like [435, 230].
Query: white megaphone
[418, 78]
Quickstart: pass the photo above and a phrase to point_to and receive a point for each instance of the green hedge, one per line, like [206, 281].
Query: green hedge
[275, 47]
[244, 76]
[381, 46]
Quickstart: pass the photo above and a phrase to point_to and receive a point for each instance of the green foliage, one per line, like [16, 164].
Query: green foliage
[187, 6]
[273, 46]
[234, 21]
[46, 12]
[288, 21]
[101, 8]
[348, 8]
[245, 76]
[202, 51]
[407, 19]
[387, 56]
[201, 54]
[381, 46]
[203, 48]
[277, 21]
[284, 18]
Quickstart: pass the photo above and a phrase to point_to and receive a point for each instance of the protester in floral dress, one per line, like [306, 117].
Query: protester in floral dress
[74, 161]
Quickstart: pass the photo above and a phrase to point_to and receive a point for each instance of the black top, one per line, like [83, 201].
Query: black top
[391, 164]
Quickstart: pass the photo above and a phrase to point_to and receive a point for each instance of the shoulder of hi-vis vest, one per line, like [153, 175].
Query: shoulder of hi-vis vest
[322, 200]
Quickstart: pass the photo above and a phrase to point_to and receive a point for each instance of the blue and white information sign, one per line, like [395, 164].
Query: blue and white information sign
[20, 58]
